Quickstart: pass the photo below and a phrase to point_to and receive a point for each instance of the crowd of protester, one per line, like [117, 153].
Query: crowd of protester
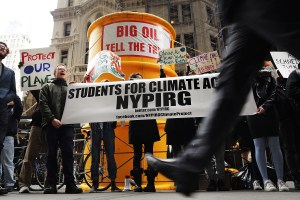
[273, 128]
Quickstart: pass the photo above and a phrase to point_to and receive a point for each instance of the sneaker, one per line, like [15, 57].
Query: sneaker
[282, 186]
[24, 189]
[269, 186]
[256, 185]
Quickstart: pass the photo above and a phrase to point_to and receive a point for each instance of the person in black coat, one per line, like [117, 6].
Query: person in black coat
[264, 128]
[7, 155]
[254, 26]
[291, 126]
[179, 131]
[142, 132]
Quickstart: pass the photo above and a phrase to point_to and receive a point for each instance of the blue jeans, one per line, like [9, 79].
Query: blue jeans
[3, 126]
[7, 160]
[109, 145]
[260, 155]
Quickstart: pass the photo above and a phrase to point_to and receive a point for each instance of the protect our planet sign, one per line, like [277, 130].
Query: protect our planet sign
[38, 67]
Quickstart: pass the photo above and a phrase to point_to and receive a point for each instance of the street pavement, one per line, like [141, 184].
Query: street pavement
[159, 195]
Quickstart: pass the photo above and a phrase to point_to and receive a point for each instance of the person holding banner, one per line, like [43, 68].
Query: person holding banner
[52, 102]
[142, 132]
[254, 26]
[36, 144]
[103, 131]
[7, 95]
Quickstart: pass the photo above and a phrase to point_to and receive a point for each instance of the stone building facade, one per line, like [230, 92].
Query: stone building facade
[194, 21]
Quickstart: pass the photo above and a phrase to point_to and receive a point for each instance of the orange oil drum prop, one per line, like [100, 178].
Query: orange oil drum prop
[137, 39]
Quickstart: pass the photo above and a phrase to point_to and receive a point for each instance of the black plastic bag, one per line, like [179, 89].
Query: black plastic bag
[242, 180]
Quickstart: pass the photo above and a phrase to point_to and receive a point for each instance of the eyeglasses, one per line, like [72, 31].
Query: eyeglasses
[2, 47]
[61, 69]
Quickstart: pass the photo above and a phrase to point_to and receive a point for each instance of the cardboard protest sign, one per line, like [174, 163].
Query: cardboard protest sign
[38, 67]
[132, 38]
[172, 56]
[105, 62]
[178, 97]
[205, 62]
[285, 62]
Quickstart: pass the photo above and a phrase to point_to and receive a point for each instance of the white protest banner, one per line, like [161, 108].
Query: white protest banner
[179, 97]
[285, 62]
[105, 62]
[205, 62]
[172, 56]
[38, 67]
[132, 38]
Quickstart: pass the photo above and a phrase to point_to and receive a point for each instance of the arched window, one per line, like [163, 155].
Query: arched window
[88, 25]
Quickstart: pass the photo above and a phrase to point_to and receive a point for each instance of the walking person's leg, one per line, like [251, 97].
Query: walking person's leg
[51, 137]
[220, 168]
[36, 143]
[109, 144]
[137, 171]
[249, 44]
[66, 146]
[277, 158]
[234, 83]
[150, 172]
[95, 153]
[7, 157]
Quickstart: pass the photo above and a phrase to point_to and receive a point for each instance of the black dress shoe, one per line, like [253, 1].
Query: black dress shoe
[114, 188]
[51, 189]
[169, 168]
[3, 190]
[222, 186]
[71, 188]
[212, 186]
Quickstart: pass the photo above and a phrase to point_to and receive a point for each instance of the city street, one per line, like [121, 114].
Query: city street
[160, 195]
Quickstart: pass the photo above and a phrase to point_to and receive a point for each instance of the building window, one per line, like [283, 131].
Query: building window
[189, 43]
[70, 3]
[173, 14]
[86, 56]
[64, 57]
[99, 15]
[178, 41]
[211, 20]
[186, 13]
[213, 43]
[67, 29]
[88, 25]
